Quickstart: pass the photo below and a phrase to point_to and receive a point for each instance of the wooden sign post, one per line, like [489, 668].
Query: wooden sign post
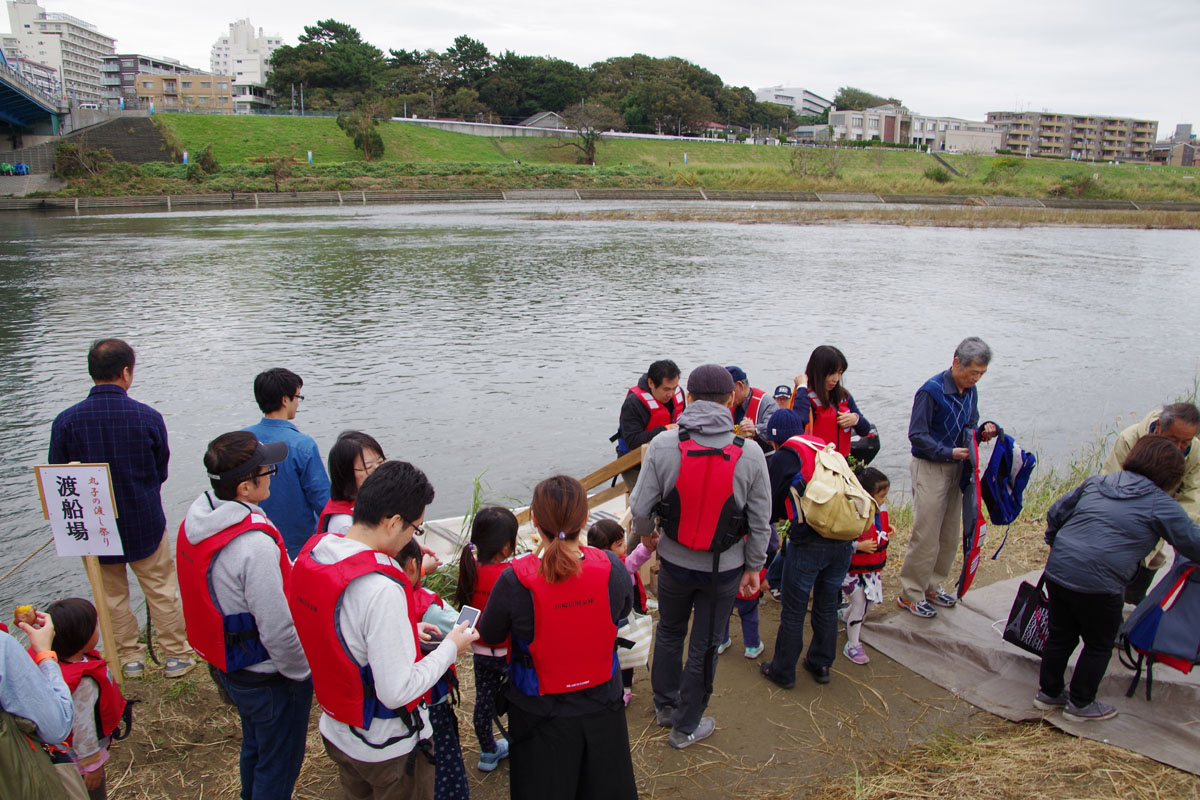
[78, 502]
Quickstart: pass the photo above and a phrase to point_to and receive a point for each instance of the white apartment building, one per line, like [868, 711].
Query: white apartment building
[245, 53]
[73, 48]
[892, 123]
[800, 100]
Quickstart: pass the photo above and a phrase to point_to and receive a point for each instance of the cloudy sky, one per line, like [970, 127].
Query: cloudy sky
[1110, 57]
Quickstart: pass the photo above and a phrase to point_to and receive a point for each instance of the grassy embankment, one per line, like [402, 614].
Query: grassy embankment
[423, 158]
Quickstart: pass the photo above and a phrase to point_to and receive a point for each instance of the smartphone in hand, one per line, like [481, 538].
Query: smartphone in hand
[469, 615]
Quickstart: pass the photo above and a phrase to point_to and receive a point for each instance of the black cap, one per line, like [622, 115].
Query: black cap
[710, 379]
[264, 455]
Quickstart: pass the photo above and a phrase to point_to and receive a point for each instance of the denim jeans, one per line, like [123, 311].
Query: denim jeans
[816, 566]
[775, 570]
[274, 712]
[686, 595]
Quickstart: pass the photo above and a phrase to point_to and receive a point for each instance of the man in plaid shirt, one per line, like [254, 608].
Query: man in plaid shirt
[112, 428]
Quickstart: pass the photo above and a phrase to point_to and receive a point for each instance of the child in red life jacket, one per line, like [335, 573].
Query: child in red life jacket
[483, 559]
[450, 776]
[99, 705]
[607, 534]
[863, 586]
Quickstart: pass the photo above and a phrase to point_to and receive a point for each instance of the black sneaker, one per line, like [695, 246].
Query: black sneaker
[820, 674]
[765, 671]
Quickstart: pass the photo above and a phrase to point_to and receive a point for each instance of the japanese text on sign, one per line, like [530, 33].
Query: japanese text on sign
[77, 500]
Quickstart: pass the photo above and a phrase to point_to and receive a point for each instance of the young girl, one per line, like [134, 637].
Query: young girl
[607, 534]
[353, 457]
[450, 777]
[863, 585]
[99, 705]
[493, 542]
[830, 411]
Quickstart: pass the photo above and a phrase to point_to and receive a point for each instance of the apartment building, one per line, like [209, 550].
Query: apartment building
[122, 74]
[892, 123]
[1099, 138]
[803, 102]
[245, 54]
[185, 91]
[40, 75]
[73, 48]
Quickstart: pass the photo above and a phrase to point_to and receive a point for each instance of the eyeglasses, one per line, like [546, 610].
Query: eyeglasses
[418, 530]
[299, 397]
[269, 471]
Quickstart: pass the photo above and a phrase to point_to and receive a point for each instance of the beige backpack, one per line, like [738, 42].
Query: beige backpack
[834, 503]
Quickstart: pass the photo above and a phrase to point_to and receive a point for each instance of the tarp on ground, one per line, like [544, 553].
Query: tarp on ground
[962, 650]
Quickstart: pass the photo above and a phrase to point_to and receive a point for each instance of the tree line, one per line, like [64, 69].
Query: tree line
[640, 93]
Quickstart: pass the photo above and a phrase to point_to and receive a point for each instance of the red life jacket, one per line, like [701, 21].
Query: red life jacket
[227, 641]
[878, 532]
[110, 708]
[344, 688]
[486, 576]
[659, 414]
[574, 636]
[756, 398]
[808, 463]
[333, 507]
[822, 423]
[699, 512]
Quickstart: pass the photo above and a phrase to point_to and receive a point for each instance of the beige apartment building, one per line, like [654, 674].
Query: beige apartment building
[1045, 133]
[185, 92]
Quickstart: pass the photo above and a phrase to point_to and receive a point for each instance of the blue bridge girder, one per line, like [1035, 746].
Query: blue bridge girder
[25, 106]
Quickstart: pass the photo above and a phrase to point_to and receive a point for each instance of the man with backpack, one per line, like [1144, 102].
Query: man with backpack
[709, 492]
[817, 561]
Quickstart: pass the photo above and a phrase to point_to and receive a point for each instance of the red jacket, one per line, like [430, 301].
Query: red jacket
[574, 636]
[344, 688]
[227, 641]
[878, 532]
[699, 512]
[756, 397]
[659, 415]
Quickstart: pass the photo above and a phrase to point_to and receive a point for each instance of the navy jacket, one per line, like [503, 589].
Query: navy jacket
[1100, 531]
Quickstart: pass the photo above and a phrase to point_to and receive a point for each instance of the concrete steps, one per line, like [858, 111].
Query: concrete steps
[134, 140]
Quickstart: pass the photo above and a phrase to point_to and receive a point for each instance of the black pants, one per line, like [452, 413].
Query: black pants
[1096, 618]
[559, 758]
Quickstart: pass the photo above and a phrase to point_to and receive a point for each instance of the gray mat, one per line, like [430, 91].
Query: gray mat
[961, 650]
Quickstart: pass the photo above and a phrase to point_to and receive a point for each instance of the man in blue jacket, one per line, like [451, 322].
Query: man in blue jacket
[946, 405]
[301, 487]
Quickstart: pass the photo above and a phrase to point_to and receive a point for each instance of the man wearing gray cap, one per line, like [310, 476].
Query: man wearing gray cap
[709, 492]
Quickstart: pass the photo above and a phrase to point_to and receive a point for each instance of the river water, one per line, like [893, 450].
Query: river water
[474, 341]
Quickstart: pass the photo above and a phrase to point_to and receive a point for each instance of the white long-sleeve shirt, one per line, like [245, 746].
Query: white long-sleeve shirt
[374, 624]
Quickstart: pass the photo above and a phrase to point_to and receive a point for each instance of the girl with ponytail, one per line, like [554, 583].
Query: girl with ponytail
[483, 560]
[561, 609]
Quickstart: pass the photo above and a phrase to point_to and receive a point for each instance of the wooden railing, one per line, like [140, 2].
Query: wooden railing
[606, 473]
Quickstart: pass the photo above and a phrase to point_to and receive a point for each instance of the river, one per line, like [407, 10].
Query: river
[476, 342]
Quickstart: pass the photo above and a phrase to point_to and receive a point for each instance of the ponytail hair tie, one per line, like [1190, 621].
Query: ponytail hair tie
[562, 535]
[471, 547]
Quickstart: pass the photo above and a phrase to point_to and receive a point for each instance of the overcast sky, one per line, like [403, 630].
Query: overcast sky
[1104, 57]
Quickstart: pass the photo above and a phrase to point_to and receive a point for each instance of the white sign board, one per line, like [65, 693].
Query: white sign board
[77, 499]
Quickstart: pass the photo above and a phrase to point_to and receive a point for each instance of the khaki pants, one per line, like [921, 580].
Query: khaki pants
[383, 780]
[156, 576]
[937, 527]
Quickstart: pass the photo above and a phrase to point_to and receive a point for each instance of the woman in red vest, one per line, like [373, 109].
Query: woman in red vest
[830, 410]
[353, 457]
[567, 732]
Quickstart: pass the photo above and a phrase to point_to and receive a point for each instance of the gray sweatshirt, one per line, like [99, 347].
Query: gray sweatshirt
[245, 578]
[710, 425]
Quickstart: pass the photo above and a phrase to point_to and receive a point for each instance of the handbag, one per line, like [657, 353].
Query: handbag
[638, 630]
[1029, 620]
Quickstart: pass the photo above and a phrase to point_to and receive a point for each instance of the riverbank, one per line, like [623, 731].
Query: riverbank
[877, 731]
[888, 209]
[264, 154]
